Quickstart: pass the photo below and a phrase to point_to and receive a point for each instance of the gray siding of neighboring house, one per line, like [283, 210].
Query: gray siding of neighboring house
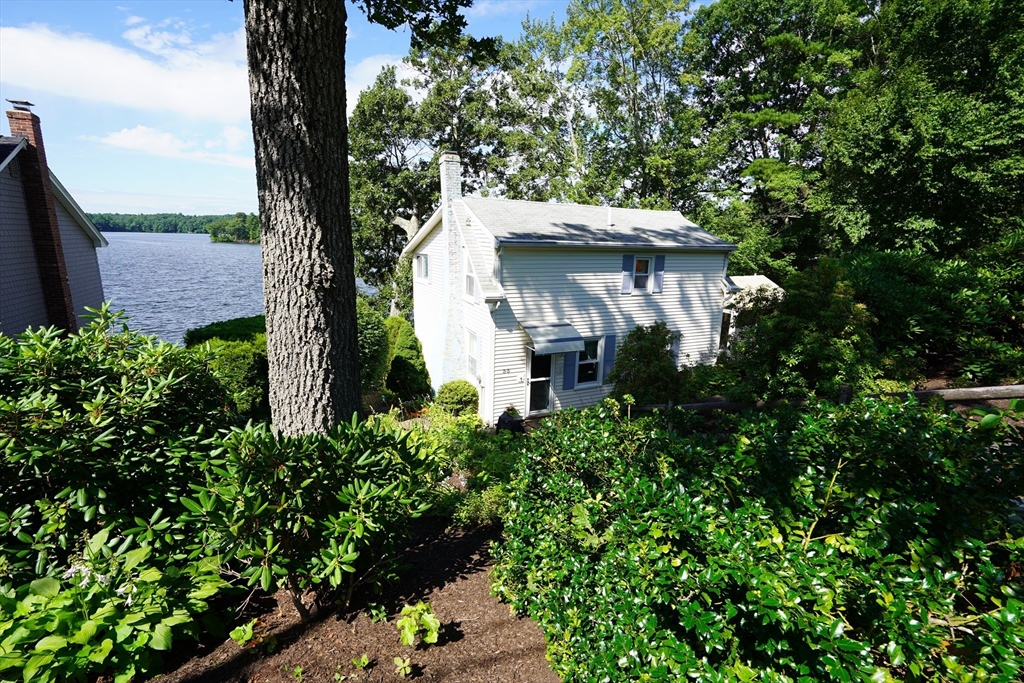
[80, 260]
[21, 293]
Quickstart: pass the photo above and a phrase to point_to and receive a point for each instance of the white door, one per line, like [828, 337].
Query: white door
[539, 390]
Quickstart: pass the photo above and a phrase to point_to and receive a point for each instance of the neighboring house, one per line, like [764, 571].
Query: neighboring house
[529, 300]
[740, 290]
[48, 267]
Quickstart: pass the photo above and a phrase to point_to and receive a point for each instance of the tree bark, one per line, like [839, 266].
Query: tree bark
[296, 55]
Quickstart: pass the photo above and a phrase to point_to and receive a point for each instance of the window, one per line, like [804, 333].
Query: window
[641, 274]
[422, 267]
[469, 288]
[588, 365]
[472, 355]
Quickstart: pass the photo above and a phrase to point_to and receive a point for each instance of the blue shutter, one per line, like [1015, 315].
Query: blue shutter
[627, 274]
[609, 355]
[569, 371]
[659, 274]
[675, 348]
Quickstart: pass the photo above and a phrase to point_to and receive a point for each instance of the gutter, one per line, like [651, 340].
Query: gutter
[617, 246]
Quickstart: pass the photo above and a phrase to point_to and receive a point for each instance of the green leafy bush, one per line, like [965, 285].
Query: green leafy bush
[374, 351]
[875, 541]
[239, 348]
[236, 329]
[457, 397]
[98, 432]
[244, 373]
[645, 367]
[408, 376]
[811, 342]
[108, 612]
[295, 512]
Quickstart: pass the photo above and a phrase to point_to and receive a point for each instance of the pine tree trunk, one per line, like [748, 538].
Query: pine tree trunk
[296, 53]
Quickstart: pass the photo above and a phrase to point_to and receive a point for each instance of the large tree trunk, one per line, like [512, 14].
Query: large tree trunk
[296, 53]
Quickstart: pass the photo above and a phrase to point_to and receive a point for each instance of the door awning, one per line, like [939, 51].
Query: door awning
[557, 337]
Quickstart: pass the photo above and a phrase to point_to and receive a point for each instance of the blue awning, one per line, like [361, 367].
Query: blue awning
[556, 337]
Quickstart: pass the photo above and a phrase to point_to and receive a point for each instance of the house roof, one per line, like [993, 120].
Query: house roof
[522, 223]
[752, 282]
[9, 148]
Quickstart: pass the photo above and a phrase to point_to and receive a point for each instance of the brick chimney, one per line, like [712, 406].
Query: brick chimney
[42, 216]
[451, 177]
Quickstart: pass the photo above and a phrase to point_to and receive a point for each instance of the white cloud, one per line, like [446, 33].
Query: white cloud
[235, 137]
[162, 144]
[164, 69]
[103, 201]
[206, 81]
[497, 8]
[361, 76]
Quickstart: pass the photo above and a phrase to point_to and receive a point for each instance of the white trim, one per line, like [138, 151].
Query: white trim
[599, 361]
[646, 289]
[423, 259]
[473, 374]
[423, 233]
[20, 146]
[468, 276]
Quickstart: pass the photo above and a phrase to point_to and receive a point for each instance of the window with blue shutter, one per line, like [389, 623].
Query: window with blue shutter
[627, 274]
[569, 370]
[659, 274]
[609, 356]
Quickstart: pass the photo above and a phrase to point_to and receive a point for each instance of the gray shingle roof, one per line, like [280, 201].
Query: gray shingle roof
[539, 223]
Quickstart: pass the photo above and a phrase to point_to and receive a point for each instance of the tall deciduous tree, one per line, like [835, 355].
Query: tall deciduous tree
[296, 55]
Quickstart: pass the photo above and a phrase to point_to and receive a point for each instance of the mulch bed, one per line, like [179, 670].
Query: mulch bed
[480, 641]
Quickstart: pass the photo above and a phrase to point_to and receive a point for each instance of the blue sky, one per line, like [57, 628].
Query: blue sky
[144, 105]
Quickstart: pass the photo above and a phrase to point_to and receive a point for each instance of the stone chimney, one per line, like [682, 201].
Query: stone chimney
[42, 216]
[451, 177]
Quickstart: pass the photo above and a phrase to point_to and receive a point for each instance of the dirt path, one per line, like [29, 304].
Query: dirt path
[480, 640]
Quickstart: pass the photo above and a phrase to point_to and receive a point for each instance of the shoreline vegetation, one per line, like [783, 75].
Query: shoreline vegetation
[238, 227]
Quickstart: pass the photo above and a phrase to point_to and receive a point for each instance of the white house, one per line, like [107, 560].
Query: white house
[48, 267]
[529, 300]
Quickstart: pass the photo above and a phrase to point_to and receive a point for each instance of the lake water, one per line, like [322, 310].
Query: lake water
[169, 283]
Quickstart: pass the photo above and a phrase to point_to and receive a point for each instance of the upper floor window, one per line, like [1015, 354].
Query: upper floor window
[643, 273]
[469, 288]
[423, 267]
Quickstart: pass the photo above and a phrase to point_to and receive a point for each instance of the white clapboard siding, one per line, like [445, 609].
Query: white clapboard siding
[583, 287]
[509, 369]
[429, 306]
[477, 317]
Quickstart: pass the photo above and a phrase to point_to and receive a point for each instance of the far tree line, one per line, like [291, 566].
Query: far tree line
[236, 227]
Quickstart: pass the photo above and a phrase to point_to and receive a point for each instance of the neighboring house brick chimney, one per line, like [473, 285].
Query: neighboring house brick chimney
[451, 177]
[42, 216]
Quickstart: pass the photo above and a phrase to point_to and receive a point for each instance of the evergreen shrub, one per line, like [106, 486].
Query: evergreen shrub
[408, 376]
[374, 351]
[645, 366]
[239, 348]
[872, 541]
[458, 396]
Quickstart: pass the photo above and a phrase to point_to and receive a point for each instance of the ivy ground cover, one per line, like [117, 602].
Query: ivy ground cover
[876, 541]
